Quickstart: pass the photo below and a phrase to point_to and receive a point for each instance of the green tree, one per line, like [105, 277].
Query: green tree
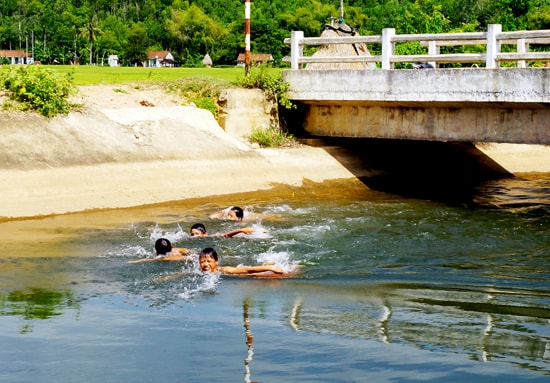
[309, 19]
[113, 39]
[512, 14]
[91, 31]
[8, 34]
[195, 33]
[137, 44]
[538, 16]
[190, 28]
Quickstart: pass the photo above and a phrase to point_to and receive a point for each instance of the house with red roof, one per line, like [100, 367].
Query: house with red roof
[17, 56]
[157, 59]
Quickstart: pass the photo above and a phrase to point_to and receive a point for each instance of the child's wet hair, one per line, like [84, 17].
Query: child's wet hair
[209, 252]
[198, 226]
[239, 213]
[163, 246]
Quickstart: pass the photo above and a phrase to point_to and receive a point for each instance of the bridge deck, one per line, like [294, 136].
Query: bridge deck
[473, 85]
[482, 105]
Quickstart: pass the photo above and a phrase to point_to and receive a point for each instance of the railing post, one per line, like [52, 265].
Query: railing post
[295, 48]
[433, 49]
[493, 46]
[522, 47]
[387, 47]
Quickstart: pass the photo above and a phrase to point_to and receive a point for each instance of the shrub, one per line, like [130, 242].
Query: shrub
[273, 86]
[270, 137]
[201, 91]
[38, 89]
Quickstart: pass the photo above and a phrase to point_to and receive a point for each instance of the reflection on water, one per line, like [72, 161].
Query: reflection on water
[36, 303]
[462, 282]
[449, 320]
[249, 341]
[519, 194]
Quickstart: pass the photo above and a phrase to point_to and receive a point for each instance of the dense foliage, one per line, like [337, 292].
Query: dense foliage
[87, 31]
[37, 88]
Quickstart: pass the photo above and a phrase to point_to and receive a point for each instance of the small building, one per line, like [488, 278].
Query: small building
[17, 56]
[157, 59]
[255, 59]
[113, 60]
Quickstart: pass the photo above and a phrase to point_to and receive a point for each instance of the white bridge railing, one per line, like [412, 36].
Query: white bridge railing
[493, 39]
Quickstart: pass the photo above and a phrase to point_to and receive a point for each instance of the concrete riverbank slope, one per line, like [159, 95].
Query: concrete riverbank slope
[130, 146]
[115, 152]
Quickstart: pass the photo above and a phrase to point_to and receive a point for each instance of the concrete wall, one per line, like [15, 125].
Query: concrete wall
[242, 110]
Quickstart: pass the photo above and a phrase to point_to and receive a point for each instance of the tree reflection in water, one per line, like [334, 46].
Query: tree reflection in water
[34, 303]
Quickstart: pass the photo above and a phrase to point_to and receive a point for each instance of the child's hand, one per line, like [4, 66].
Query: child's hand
[248, 230]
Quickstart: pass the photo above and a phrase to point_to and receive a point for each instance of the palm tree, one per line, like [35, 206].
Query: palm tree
[91, 31]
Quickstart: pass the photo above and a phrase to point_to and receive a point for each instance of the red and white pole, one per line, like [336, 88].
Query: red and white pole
[247, 57]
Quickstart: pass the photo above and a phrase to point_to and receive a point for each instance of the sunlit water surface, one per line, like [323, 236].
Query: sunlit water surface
[386, 289]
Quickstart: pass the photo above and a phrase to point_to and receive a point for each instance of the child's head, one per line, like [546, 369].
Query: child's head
[235, 213]
[163, 246]
[198, 230]
[208, 260]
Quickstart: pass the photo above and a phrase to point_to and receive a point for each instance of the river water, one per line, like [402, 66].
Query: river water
[386, 288]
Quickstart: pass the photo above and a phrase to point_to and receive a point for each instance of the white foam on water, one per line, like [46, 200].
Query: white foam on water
[197, 282]
[281, 259]
[128, 251]
[172, 236]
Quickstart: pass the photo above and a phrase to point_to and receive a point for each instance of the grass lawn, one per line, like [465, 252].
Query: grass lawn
[94, 75]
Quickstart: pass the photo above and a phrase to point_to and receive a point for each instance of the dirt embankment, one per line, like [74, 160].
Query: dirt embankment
[130, 146]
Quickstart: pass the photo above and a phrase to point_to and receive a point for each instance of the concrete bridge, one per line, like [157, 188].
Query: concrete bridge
[485, 102]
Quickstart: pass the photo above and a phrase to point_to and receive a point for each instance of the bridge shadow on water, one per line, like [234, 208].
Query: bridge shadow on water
[444, 171]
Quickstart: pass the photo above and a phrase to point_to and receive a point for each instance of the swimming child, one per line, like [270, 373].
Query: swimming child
[236, 213]
[232, 213]
[199, 230]
[208, 262]
[166, 252]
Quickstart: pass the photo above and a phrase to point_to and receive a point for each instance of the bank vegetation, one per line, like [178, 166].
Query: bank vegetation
[46, 90]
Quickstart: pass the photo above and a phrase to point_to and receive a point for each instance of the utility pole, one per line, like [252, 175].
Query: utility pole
[246, 37]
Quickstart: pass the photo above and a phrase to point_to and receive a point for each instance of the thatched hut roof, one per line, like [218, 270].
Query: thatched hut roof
[341, 50]
[207, 61]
